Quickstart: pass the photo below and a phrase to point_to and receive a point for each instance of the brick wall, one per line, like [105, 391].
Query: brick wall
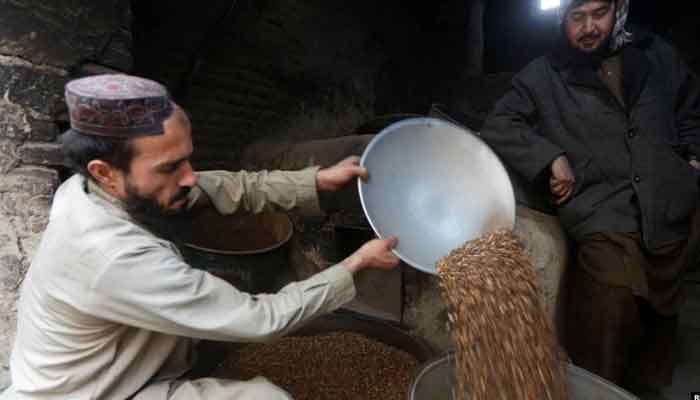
[42, 46]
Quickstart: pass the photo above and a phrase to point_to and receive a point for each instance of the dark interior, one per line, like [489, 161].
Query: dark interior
[250, 70]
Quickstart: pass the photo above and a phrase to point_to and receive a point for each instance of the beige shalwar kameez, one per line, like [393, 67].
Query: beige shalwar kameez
[108, 309]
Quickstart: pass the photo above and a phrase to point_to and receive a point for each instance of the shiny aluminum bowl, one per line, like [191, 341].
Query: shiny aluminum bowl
[435, 186]
[436, 378]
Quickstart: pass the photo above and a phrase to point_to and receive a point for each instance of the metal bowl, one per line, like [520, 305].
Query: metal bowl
[436, 379]
[249, 251]
[212, 354]
[435, 186]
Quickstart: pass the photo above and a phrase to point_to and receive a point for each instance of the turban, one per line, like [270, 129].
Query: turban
[619, 36]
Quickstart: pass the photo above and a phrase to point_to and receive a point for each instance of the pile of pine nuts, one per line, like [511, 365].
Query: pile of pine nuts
[334, 366]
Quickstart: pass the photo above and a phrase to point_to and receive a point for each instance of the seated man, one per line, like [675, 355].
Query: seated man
[610, 123]
[108, 307]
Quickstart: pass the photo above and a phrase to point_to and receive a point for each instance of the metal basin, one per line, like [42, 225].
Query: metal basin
[212, 353]
[249, 251]
[239, 234]
[435, 186]
[376, 329]
[435, 380]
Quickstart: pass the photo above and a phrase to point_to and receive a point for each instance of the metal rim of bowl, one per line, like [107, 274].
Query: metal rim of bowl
[570, 367]
[281, 243]
[370, 327]
[591, 377]
[425, 369]
[388, 130]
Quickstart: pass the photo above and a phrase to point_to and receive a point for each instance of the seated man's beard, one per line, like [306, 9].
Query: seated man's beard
[603, 49]
[149, 212]
[592, 58]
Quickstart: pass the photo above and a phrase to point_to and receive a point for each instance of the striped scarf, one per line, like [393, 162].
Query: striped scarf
[620, 36]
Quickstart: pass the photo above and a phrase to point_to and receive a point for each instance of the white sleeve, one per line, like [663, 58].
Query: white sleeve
[257, 191]
[151, 287]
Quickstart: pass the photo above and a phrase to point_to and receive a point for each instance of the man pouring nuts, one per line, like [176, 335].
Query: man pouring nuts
[109, 308]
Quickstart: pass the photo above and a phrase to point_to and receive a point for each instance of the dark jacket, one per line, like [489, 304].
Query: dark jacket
[629, 161]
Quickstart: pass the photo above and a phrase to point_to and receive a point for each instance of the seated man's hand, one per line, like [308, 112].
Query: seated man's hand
[335, 177]
[374, 254]
[562, 181]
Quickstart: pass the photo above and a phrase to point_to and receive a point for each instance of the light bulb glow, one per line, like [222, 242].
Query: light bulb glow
[549, 4]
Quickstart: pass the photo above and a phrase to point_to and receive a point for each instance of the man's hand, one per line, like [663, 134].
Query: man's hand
[375, 253]
[695, 163]
[562, 181]
[335, 177]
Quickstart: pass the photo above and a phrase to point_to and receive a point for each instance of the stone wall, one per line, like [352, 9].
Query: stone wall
[42, 45]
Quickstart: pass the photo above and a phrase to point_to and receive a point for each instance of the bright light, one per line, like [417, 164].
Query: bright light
[549, 4]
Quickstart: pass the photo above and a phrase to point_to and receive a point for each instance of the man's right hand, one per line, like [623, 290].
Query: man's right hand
[562, 181]
[375, 254]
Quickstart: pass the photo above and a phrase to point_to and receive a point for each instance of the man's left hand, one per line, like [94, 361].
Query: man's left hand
[335, 177]
[695, 163]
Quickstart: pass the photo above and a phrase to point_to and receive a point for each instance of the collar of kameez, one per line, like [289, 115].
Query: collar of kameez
[93, 188]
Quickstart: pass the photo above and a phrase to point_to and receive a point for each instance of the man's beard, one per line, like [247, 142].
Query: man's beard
[602, 51]
[580, 57]
[148, 211]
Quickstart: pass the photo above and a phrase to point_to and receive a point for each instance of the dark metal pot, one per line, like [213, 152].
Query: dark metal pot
[386, 333]
[249, 251]
[212, 353]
